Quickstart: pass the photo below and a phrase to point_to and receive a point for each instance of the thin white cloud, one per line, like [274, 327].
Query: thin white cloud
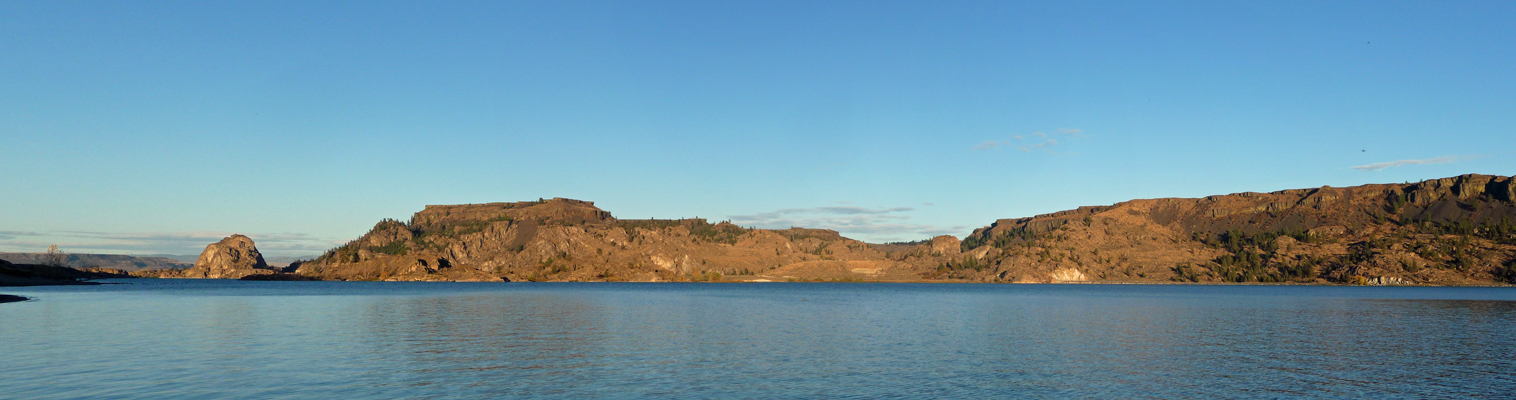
[8, 235]
[1018, 143]
[1046, 143]
[874, 225]
[1429, 161]
[990, 145]
[157, 242]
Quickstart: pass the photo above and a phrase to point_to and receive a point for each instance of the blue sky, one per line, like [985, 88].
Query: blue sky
[159, 127]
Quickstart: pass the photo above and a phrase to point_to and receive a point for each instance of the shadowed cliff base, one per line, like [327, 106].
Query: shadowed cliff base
[1450, 231]
[6, 298]
[277, 276]
[47, 275]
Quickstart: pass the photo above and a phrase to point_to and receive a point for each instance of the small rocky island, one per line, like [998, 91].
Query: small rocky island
[231, 258]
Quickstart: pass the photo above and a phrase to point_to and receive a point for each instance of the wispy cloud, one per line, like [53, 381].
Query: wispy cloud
[1438, 160]
[278, 244]
[8, 235]
[990, 144]
[1045, 143]
[867, 224]
[1018, 141]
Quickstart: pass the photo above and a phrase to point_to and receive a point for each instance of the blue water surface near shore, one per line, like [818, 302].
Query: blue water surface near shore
[161, 339]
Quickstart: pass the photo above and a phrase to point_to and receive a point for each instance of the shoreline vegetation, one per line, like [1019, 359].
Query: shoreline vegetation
[1457, 231]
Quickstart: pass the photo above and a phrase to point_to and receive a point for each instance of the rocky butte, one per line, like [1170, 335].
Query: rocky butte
[231, 258]
[1445, 231]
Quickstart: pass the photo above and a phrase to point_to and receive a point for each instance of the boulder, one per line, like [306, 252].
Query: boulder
[1387, 281]
[945, 245]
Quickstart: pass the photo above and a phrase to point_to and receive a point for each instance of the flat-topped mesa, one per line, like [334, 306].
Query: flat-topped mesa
[563, 239]
[803, 233]
[554, 211]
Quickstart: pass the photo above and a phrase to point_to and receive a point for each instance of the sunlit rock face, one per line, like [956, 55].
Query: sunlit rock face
[231, 258]
[1068, 275]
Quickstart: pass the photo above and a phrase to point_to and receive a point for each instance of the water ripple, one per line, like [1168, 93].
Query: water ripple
[275, 340]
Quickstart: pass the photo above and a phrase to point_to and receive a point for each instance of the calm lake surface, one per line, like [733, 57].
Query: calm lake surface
[156, 339]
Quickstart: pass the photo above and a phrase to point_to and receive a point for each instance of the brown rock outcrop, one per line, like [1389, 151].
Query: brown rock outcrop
[946, 245]
[1443, 231]
[231, 258]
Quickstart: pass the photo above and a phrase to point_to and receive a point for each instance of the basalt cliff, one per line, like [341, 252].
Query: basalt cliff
[1446, 231]
[1455, 230]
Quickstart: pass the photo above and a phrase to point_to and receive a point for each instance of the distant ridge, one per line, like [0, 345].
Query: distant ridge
[112, 261]
[185, 258]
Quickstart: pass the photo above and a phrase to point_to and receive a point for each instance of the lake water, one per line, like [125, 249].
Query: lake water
[158, 339]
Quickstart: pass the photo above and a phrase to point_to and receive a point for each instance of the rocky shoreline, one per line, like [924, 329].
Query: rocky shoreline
[47, 275]
[6, 298]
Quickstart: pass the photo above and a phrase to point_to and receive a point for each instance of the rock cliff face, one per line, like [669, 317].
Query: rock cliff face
[232, 258]
[572, 240]
[1445, 231]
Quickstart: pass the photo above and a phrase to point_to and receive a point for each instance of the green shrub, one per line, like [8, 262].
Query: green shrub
[1507, 273]
[393, 248]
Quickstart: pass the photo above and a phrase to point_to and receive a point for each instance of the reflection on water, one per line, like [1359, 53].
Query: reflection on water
[172, 338]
